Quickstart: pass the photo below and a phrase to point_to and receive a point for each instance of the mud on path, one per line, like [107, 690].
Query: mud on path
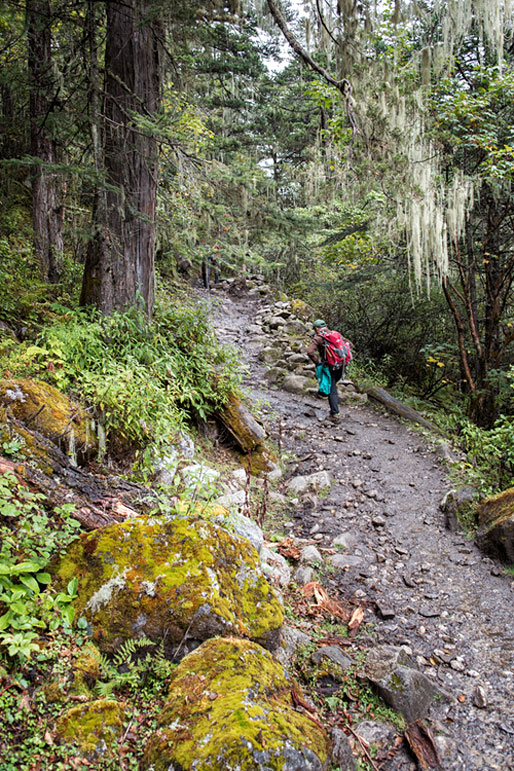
[424, 587]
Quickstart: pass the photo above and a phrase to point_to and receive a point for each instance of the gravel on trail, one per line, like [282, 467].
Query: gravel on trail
[425, 587]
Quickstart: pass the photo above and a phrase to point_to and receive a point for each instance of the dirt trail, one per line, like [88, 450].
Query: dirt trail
[425, 587]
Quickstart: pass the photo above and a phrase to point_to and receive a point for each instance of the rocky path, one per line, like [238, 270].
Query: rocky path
[424, 587]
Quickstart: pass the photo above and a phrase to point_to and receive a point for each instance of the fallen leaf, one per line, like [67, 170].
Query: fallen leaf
[324, 602]
[124, 511]
[461, 697]
[288, 550]
[49, 738]
[356, 619]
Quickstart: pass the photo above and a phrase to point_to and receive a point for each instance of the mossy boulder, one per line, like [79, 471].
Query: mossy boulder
[170, 578]
[78, 678]
[261, 460]
[496, 526]
[240, 422]
[30, 445]
[92, 727]
[48, 411]
[302, 310]
[230, 707]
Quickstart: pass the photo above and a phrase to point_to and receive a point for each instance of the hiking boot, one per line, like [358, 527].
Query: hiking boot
[334, 417]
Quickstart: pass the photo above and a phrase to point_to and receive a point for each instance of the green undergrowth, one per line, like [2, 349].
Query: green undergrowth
[143, 381]
[36, 699]
[489, 464]
[31, 533]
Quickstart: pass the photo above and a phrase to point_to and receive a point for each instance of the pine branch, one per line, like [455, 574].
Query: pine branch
[343, 86]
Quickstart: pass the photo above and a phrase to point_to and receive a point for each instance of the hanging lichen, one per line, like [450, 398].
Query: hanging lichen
[391, 106]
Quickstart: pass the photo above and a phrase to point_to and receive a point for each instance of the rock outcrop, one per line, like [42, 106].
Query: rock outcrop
[401, 686]
[240, 422]
[496, 526]
[51, 413]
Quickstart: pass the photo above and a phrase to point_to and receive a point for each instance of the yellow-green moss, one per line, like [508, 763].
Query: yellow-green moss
[301, 309]
[93, 726]
[230, 707]
[29, 448]
[78, 678]
[497, 509]
[241, 423]
[262, 458]
[158, 577]
[51, 413]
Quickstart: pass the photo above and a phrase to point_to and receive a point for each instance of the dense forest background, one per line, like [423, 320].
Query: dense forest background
[353, 155]
[360, 159]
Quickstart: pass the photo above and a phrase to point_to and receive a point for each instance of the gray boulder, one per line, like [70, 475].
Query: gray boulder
[290, 641]
[200, 480]
[405, 689]
[269, 355]
[275, 374]
[333, 654]
[341, 751]
[275, 567]
[310, 554]
[301, 484]
[457, 505]
[276, 322]
[244, 527]
[303, 574]
[297, 384]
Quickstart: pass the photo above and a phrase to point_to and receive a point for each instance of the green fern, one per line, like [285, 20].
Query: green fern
[128, 669]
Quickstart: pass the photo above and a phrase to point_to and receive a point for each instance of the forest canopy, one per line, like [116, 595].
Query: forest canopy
[358, 155]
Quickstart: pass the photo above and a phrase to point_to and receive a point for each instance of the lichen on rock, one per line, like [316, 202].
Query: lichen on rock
[230, 707]
[92, 727]
[52, 414]
[169, 577]
[496, 526]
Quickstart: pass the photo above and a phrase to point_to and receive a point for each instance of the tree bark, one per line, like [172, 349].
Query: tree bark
[47, 211]
[403, 410]
[119, 269]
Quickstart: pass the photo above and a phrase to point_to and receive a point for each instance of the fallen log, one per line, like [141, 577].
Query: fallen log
[394, 405]
[98, 500]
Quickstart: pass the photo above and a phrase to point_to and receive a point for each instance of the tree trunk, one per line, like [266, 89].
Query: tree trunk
[46, 209]
[119, 269]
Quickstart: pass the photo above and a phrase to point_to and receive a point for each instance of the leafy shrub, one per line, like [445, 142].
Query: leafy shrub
[490, 452]
[29, 538]
[143, 380]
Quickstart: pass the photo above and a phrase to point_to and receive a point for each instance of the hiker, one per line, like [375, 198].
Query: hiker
[215, 264]
[210, 265]
[332, 350]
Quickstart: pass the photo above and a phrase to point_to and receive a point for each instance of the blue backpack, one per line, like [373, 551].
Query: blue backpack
[324, 379]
